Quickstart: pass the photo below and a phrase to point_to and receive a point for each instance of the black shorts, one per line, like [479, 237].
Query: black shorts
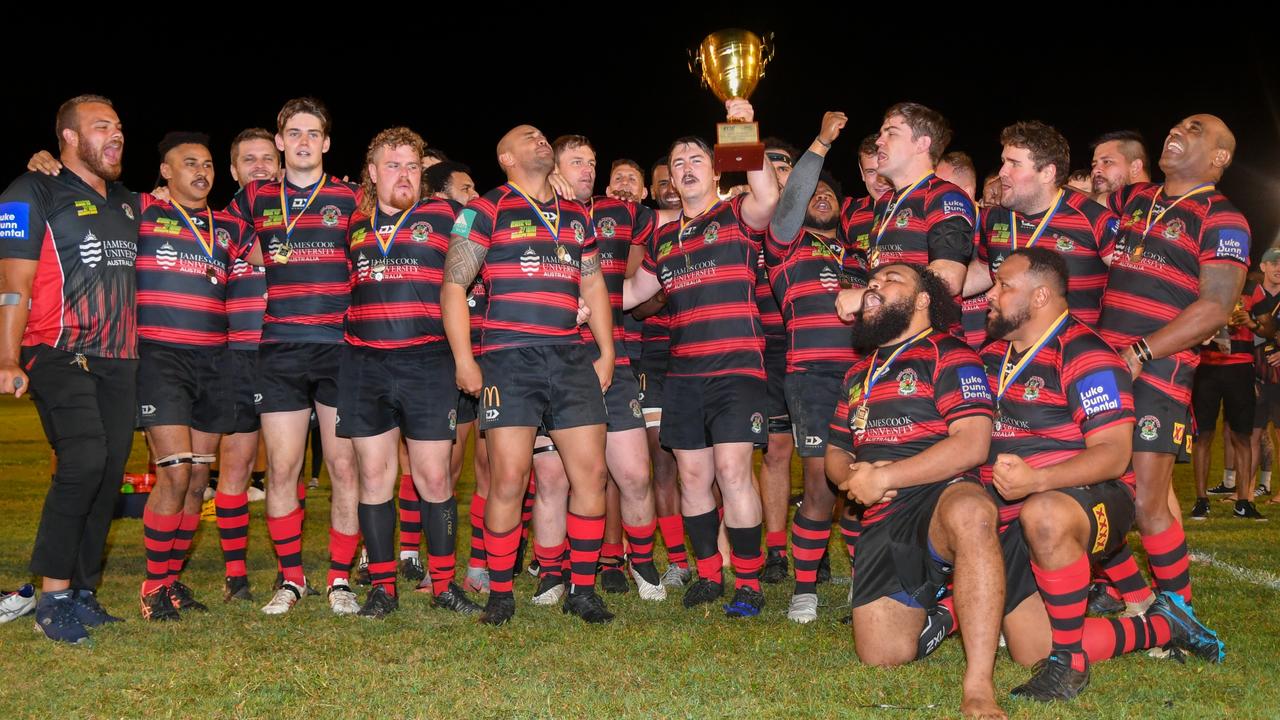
[179, 386]
[468, 408]
[1229, 388]
[1019, 581]
[411, 388]
[1267, 409]
[895, 559]
[700, 412]
[1111, 512]
[295, 376]
[1164, 424]
[550, 385]
[812, 398]
[775, 371]
[242, 366]
[622, 401]
[651, 374]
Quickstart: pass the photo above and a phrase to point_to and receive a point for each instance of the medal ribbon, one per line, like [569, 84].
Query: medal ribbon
[1197, 190]
[553, 228]
[1009, 374]
[1044, 223]
[206, 246]
[892, 209]
[284, 206]
[874, 374]
[385, 245]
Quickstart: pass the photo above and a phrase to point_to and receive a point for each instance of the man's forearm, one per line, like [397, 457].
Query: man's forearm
[457, 321]
[952, 456]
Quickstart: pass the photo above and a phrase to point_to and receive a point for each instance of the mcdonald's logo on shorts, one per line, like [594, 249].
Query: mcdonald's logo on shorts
[491, 399]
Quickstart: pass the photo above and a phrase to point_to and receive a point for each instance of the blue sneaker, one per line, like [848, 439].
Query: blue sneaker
[1188, 632]
[746, 603]
[89, 612]
[56, 618]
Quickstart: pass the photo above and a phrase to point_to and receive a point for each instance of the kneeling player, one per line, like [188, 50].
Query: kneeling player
[915, 413]
[397, 369]
[1060, 458]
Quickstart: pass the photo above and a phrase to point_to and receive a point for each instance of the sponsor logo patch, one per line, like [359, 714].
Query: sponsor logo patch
[1099, 393]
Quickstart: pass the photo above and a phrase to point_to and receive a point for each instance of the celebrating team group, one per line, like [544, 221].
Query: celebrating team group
[999, 389]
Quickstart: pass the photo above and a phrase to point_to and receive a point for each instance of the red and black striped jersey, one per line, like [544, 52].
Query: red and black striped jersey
[304, 248]
[856, 218]
[934, 221]
[1160, 249]
[182, 278]
[1262, 303]
[246, 304]
[1238, 341]
[807, 272]
[532, 274]
[1080, 230]
[396, 265]
[770, 312]
[477, 306]
[931, 384]
[707, 268]
[618, 226]
[1075, 386]
[84, 244]
[655, 338]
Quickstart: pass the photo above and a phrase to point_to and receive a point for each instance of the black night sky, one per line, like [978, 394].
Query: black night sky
[624, 83]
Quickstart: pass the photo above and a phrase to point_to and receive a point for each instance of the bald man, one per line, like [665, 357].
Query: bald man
[1182, 253]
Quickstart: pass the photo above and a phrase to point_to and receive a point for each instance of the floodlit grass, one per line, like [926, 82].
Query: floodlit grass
[655, 660]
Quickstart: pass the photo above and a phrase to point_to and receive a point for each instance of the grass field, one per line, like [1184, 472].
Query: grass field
[655, 660]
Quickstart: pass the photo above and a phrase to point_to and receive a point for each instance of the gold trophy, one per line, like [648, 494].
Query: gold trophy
[730, 63]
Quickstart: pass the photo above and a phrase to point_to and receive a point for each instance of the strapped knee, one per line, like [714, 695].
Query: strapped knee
[184, 458]
[203, 459]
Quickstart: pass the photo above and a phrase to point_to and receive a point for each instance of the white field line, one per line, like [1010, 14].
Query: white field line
[1261, 578]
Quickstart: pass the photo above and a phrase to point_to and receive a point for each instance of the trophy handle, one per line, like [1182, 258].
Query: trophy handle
[766, 52]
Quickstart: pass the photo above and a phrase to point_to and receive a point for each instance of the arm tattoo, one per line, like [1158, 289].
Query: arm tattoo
[463, 261]
[590, 266]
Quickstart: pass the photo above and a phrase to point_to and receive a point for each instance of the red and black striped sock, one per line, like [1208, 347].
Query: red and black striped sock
[182, 538]
[611, 553]
[850, 529]
[501, 547]
[157, 537]
[1066, 597]
[342, 553]
[410, 516]
[1167, 556]
[808, 541]
[776, 541]
[286, 535]
[377, 525]
[673, 538]
[1122, 570]
[478, 556]
[703, 530]
[442, 521]
[1107, 638]
[744, 546]
[233, 530]
[640, 538]
[586, 534]
[549, 560]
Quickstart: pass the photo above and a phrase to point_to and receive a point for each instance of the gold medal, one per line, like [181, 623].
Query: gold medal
[1135, 255]
[860, 418]
[874, 258]
[212, 275]
[282, 255]
[562, 253]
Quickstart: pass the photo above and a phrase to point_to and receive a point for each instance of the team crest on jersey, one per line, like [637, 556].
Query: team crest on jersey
[419, 231]
[1063, 243]
[1149, 428]
[903, 219]
[579, 232]
[907, 382]
[607, 227]
[1174, 229]
[711, 233]
[1031, 391]
[664, 249]
[166, 256]
[636, 410]
[330, 215]
[128, 210]
[453, 419]
[530, 261]
[224, 238]
[757, 423]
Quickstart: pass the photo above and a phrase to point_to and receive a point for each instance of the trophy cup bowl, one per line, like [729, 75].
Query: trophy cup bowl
[731, 63]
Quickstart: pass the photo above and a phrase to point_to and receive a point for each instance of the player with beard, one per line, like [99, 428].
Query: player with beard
[67, 335]
[1182, 254]
[253, 158]
[396, 250]
[714, 407]
[185, 403]
[1119, 160]
[534, 369]
[808, 264]
[912, 425]
[1059, 470]
[300, 224]
[622, 229]
[450, 180]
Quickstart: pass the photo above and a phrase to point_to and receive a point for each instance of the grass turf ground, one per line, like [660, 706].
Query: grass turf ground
[655, 660]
